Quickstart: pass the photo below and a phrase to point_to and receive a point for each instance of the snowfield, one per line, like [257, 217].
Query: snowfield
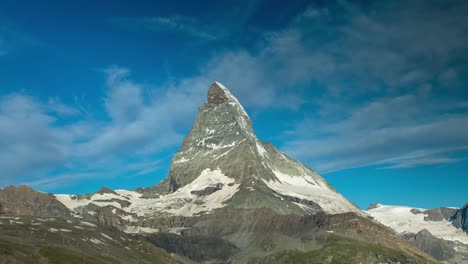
[402, 220]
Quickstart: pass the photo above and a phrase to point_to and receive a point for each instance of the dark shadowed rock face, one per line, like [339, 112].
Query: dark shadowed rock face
[460, 218]
[216, 95]
[438, 248]
[24, 201]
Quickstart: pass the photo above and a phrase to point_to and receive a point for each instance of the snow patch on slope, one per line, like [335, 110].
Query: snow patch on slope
[261, 150]
[305, 187]
[402, 220]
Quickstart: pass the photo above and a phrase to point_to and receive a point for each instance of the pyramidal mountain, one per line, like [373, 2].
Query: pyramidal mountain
[228, 198]
[223, 163]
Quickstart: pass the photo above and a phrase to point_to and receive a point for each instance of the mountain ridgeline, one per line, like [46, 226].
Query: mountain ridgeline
[228, 198]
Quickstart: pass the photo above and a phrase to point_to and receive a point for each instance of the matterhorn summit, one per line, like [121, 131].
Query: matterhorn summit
[223, 163]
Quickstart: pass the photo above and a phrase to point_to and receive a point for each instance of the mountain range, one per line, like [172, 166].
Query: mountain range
[229, 198]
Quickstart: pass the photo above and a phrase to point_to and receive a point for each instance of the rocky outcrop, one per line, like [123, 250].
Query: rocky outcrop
[24, 201]
[438, 248]
[372, 206]
[107, 215]
[104, 190]
[208, 190]
[439, 214]
[460, 218]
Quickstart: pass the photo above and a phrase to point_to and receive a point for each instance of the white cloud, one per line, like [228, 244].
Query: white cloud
[35, 143]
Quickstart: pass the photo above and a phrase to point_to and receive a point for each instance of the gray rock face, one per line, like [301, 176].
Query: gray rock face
[438, 248]
[372, 206]
[208, 190]
[460, 218]
[439, 214]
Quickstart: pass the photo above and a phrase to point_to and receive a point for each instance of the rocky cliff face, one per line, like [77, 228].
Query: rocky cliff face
[438, 248]
[460, 218]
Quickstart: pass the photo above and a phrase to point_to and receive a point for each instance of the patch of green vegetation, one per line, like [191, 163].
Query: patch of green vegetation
[338, 250]
[63, 255]
[12, 252]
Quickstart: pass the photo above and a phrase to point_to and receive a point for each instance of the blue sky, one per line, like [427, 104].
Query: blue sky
[370, 94]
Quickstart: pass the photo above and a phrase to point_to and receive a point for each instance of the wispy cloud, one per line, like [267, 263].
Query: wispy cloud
[12, 39]
[40, 149]
[397, 131]
[177, 23]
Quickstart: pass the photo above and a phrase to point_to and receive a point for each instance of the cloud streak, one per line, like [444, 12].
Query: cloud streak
[182, 24]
